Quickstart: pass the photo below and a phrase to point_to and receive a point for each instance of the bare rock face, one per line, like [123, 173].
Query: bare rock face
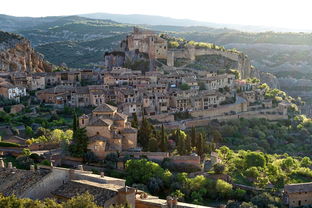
[270, 79]
[17, 55]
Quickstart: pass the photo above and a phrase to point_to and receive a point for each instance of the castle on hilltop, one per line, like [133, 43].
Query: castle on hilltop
[146, 41]
[144, 44]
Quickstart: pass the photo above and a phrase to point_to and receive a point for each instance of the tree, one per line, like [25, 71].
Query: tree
[82, 201]
[255, 159]
[26, 152]
[181, 140]
[80, 143]
[188, 145]
[145, 133]
[135, 122]
[153, 144]
[219, 168]
[216, 136]
[28, 131]
[184, 86]
[200, 145]
[163, 140]
[223, 188]
[193, 136]
[141, 171]
[75, 124]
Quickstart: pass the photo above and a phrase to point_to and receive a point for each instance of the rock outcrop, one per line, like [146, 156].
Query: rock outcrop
[270, 79]
[17, 55]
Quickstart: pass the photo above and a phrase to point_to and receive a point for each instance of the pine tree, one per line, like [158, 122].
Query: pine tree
[193, 137]
[135, 122]
[163, 140]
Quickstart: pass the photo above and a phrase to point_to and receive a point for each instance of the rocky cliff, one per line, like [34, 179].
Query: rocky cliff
[17, 55]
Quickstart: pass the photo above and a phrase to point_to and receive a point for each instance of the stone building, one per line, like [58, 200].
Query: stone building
[11, 91]
[108, 131]
[296, 195]
[147, 42]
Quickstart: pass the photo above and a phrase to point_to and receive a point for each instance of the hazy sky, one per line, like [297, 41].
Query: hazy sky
[296, 14]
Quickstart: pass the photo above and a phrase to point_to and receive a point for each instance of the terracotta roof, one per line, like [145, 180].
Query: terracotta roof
[101, 122]
[105, 108]
[98, 138]
[129, 130]
[120, 116]
[298, 187]
[101, 192]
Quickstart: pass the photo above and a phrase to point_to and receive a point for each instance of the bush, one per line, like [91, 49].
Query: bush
[9, 144]
[219, 168]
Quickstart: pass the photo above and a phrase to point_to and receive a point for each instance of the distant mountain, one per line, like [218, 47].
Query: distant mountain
[12, 24]
[141, 19]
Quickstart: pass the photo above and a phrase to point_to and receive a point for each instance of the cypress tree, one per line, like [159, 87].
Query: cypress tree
[144, 133]
[75, 125]
[188, 145]
[181, 143]
[200, 145]
[193, 137]
[163, 140]
[135, 122]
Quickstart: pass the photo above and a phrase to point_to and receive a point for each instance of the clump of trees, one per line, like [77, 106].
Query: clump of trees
[264, 170]
[151, 176]
[82, 201]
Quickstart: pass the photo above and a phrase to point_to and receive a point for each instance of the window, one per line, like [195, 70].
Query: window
[82, 121]
[97, 133]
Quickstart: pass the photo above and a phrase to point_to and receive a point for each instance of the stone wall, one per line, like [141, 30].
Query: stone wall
[244, 65]
[192, 160]
[49, 183]
[299, 199]
[164, 117]
[221, 110]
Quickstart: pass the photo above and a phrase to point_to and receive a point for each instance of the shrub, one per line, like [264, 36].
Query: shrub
[219, 168]
[9, 144]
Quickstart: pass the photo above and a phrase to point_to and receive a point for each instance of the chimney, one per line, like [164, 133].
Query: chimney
[2, 163]
[71, 174]
[10, 166]
[102, 174]
[80, 167]
[169, 201]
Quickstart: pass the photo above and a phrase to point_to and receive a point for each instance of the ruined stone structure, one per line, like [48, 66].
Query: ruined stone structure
[297, 195]
[147, 42]
[108, 131]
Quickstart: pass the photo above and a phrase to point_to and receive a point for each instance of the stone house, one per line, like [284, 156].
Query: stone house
[250, 96]
[296, 195]
[215, 82]
[56, 95]
[108, 131]
[191, 82]
[80, 97]
[36, 82]
[158, 101]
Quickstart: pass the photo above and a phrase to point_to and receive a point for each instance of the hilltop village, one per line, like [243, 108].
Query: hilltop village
[166, 84]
